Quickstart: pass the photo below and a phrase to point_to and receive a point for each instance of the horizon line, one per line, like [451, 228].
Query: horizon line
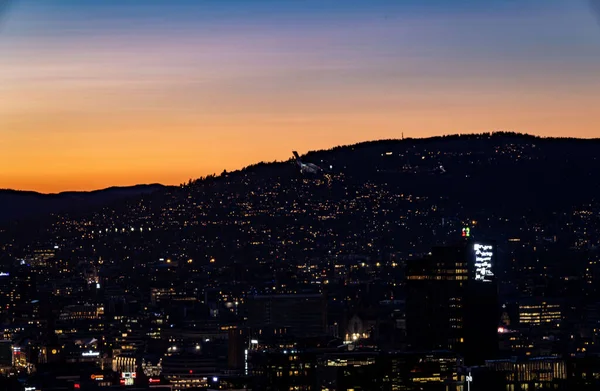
[404, 138]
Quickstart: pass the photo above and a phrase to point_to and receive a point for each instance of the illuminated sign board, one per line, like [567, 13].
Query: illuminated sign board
[484, 254]
[4, 274]
[90, 354]
[128, 375]
[97, 377]
[466, 232]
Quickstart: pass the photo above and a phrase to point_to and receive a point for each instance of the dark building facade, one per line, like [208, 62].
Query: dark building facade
[238, 341]
[452, 301]
[304, 315]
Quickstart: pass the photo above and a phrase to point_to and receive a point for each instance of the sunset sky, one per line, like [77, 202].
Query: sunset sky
[106, 92]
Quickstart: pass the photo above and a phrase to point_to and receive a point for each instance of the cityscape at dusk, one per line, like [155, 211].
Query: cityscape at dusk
[315, 195]
[103, 93]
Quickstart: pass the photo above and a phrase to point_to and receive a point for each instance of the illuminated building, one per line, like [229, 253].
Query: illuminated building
[80, 312]
[527, 343]
[284, 369]
[357, 329]
[83, 355]
[51, 354]
[422, 371]
[24, 288]
[128, 342]
[303, 314]
[335, 369]
[124, 364]
[535, 373]
[19, 357]
[349, 370]
[17, 285]
[28, 313]
[535, 312]
[41, 256]
[190, 370]
[152, 367]
[6, 299]
[452, 301]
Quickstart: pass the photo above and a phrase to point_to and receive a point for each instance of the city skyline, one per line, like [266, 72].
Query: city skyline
[118, 94]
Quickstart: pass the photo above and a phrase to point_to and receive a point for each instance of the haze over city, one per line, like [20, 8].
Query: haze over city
[96, 94]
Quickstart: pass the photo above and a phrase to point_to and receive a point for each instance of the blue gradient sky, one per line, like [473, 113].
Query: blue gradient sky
[106, 92]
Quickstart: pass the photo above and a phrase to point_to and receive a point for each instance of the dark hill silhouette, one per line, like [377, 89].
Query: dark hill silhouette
[16, 204]
[501, 169]
[501, 172]
[383, 196]
[491, 174]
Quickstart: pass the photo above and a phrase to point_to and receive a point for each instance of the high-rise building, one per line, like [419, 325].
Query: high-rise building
[452, 301]
[17, 286]
[6, 299]
[238, 341]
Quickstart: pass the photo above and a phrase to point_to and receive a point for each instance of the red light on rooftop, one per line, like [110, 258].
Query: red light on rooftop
[191, 371]
[76, 385]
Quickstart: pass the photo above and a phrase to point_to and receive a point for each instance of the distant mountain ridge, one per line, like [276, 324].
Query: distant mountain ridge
[495, 168]
[22, 204]
[380, 197]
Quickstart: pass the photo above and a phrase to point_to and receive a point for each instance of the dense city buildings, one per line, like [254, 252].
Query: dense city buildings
[390, 275]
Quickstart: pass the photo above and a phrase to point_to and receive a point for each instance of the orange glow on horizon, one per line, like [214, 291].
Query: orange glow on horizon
[50, 151]
[92, 139]
[93, 97]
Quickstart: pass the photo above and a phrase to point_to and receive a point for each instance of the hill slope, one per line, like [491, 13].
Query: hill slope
[27, 204]
[381, 197]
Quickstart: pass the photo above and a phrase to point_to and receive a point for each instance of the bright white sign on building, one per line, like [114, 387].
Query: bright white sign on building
[484, 254]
